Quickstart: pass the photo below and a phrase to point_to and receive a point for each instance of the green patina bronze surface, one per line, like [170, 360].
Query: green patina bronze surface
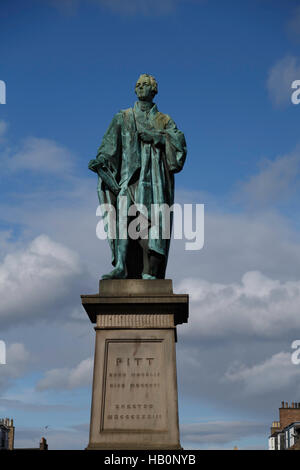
[138, 156]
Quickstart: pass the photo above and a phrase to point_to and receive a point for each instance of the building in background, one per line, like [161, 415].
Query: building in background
[7, 437]
[7, 434]
[285, 433]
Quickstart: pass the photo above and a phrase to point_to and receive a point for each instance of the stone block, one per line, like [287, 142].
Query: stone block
[134, 399]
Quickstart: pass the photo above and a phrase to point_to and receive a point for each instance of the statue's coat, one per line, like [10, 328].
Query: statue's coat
[144, 171]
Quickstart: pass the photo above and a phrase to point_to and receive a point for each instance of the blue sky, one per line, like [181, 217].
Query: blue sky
[224, 71]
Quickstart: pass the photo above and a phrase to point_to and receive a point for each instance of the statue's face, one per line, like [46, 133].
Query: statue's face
[143, 89]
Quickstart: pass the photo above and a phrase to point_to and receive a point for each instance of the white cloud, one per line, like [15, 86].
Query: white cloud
[3, 129]
[258, 305]
[35, 279]
[275, 181]
[79, 376]
[269, 376]
[280, 79]
[41, 155]
[5, 245]
[17, 359]
[17, 354]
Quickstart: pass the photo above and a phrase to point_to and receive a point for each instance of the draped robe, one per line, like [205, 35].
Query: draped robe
[143, 171]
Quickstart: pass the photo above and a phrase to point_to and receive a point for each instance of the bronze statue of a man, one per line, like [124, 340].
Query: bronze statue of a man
[136, 162]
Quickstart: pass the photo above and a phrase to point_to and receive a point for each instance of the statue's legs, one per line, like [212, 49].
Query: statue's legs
[119, 272]
[153, 262]
[128, 259]
[156, 263]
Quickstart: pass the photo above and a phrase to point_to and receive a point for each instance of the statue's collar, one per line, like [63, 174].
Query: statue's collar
[150, 108]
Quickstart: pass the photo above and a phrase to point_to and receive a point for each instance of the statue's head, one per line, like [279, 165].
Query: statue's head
[146, 87]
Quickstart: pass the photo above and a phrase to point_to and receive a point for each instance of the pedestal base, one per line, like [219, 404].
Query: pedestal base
[134, 402]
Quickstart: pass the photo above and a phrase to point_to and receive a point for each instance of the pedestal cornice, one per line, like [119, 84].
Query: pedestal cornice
[136, 296]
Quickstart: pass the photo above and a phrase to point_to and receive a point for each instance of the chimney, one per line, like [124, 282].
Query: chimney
[288, 414]
[275, 427]
[43, 444]
[11, 434]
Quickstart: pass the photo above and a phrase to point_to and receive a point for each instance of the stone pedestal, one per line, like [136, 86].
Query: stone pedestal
[134, 401]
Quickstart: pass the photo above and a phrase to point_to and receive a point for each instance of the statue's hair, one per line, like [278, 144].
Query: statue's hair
[153, 82]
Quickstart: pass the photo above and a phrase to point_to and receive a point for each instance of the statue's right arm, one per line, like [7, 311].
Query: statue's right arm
[109, 150]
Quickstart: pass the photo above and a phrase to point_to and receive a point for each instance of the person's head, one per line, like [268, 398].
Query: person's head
[146, 87]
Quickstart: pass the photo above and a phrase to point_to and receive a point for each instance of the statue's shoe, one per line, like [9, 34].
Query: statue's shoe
[148, 276]
[116, 273]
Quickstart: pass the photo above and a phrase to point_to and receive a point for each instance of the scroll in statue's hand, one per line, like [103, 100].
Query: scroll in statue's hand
[102, 167]
[93, 164]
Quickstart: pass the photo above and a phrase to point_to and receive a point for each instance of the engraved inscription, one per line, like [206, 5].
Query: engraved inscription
[134, 392]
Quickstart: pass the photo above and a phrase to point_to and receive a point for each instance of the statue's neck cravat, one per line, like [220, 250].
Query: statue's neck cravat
[145, 106]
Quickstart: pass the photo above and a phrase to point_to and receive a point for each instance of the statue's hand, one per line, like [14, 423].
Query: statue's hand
[146, 137]
[159, 139]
